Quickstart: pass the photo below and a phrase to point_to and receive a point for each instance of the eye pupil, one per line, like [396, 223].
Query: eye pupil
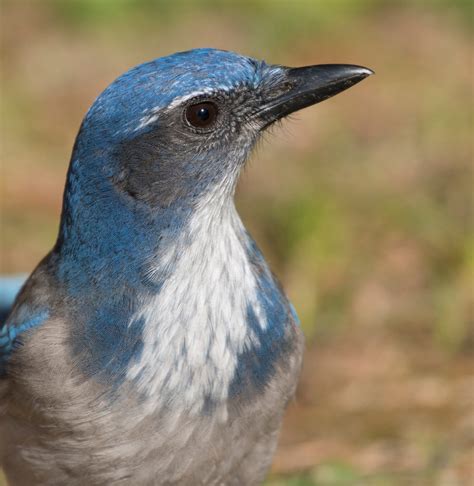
[201, 115]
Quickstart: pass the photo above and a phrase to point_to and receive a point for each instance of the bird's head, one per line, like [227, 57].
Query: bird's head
[172, 131]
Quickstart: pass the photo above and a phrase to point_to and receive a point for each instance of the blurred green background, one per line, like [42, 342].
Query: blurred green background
[361, 204]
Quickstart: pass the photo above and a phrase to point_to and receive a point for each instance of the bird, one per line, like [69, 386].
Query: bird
[153, 345]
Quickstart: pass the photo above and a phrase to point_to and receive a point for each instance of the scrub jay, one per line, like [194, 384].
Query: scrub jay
[153, 345]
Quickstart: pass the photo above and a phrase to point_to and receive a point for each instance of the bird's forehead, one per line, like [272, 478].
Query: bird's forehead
[136, 98]
[169, 79]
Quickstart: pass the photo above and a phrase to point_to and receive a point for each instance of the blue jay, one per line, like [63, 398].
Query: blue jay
[153, 345]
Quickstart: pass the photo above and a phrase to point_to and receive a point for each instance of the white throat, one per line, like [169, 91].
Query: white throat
[196, 326]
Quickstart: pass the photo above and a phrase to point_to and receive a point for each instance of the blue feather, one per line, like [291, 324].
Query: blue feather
[10, 336]
[9, 288]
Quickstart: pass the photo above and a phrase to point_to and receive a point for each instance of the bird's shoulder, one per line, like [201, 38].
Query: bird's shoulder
[32, 308]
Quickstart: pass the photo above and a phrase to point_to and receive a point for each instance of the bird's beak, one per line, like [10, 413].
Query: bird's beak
[305, 86]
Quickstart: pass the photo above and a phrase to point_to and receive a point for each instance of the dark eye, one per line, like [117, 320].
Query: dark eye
[201, 115]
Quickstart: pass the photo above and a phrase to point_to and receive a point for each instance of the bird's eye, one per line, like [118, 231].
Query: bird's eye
[201, 115]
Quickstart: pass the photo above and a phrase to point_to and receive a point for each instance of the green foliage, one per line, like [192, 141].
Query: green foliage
[337, 473]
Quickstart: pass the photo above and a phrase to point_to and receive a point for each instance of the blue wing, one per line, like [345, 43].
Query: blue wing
[9, 331]
[9, 288]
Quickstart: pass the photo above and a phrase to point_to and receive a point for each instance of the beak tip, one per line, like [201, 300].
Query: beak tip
[363, 72]
[357, 74]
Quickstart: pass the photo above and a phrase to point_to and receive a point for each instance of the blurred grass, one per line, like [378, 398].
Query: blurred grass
[363, 204]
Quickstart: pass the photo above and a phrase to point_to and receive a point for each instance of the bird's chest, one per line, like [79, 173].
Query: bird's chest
[208, 316]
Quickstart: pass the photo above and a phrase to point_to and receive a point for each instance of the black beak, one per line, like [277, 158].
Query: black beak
[305, 86]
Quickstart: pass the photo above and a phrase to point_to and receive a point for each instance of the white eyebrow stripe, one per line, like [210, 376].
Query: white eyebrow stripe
[146, 120]
[152, 115]
[181, 99]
